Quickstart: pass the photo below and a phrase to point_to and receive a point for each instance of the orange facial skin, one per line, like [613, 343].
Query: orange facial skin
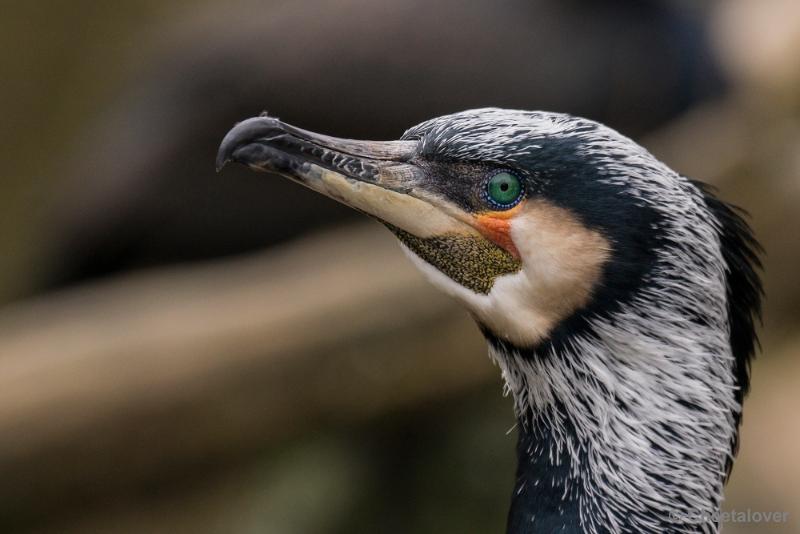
[496, 226]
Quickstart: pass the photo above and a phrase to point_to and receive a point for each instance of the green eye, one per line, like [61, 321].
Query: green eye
[503, 190]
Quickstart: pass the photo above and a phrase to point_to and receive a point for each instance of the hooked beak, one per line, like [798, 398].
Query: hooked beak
[379, 178]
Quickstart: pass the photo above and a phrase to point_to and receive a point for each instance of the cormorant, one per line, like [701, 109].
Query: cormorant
[617, 296]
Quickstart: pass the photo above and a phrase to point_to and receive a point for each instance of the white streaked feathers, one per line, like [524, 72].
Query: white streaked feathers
[653, 360]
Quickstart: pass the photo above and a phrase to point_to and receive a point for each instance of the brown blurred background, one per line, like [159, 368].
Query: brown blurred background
[182, 351]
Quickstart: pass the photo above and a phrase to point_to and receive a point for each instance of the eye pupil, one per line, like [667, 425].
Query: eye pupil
[504, 190]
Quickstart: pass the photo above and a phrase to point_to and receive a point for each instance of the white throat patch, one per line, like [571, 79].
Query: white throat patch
[561, 260]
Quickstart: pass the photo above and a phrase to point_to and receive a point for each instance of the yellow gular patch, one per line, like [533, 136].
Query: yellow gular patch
[561, 262]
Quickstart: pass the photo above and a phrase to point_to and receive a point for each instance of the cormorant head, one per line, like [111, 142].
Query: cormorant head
[533, 220]
[617, 296]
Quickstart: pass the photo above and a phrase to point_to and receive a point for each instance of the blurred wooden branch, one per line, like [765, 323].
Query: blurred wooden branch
[127, 382]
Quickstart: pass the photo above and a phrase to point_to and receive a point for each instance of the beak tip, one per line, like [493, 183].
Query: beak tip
[222, 160]
[225, 151]
[242, 133]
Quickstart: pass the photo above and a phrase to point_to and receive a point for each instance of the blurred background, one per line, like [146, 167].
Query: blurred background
[186, 351]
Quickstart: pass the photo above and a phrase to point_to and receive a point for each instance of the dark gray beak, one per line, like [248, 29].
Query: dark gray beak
[379, 178]
[260, 140]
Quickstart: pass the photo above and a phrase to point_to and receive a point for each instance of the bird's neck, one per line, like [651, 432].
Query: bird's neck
[621, 434]
[544, 498]
[559, 488]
